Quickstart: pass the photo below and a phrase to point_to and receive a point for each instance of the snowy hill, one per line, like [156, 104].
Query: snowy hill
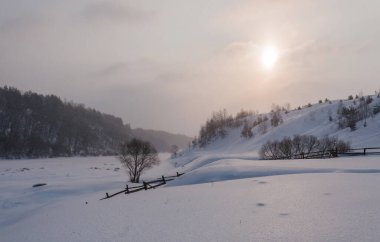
[34, 125]
[227, 158]
[319, 120]
[312, 120]
[162, 140]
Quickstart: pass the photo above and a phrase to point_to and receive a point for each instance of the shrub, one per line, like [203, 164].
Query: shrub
[137, 156]
[243, 114]
[276, 117]
[246, 132]
[302, 145]
[216, 127]
[369, 100]
[263, 126]
[376, 109]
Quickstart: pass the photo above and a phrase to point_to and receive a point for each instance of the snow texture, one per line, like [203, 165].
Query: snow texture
[313, 200]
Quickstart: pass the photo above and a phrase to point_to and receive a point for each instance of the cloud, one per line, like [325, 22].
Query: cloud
[111, 69]
[126, 73]
[114, 11]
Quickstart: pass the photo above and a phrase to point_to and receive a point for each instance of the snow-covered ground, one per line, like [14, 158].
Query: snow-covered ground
[303, 200]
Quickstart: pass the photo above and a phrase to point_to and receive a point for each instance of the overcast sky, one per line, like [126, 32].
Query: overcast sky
[168, 64]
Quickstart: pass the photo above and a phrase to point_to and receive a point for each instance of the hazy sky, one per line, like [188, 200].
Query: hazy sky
[168, 64]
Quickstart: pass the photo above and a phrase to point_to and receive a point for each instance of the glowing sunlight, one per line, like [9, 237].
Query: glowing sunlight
[269, 57]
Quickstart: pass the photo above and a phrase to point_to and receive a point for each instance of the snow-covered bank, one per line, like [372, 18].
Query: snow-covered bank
[66, 178]
[302, 204]
[229, 169]
[322, 207]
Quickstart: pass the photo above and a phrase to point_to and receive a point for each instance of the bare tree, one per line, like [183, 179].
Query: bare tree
[246, 132]
[276, 117]
[174, 151]
[285, 148]
[302, 145]
[137, 156]
[270, 150]
[310, 143]
[263, 127]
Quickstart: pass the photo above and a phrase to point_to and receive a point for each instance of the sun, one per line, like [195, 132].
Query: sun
[269, 57]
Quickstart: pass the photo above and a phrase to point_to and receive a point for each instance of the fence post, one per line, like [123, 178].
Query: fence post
[177, 173]
[163, 180]
[145, 185]
[126, 190]
[365, 151]
[107, 195]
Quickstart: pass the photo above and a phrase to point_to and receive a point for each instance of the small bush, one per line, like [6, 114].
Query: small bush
[302, 145]
[246, 132]
[376, 109]
[369, 100]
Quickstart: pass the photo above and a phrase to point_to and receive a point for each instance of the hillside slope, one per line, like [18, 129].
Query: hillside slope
[34, 125]
[319, 120]
[162, 140]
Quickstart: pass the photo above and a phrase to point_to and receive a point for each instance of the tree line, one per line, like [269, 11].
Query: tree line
[359, 110]
[33, 125]
[288, 147]
[220, 122]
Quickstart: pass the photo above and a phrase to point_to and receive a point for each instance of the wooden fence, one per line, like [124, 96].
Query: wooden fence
[335, 153]
[145, 186]
[362, 151]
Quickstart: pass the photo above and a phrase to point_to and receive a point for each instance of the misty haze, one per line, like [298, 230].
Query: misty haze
[180, 120]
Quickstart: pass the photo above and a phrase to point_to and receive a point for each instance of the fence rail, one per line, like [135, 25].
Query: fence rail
[145, 186]
[334, 153]
[362, 151]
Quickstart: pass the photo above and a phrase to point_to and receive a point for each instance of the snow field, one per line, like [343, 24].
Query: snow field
[301, 205]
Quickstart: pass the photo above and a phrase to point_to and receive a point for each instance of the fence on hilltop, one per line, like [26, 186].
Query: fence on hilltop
[333, 153]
